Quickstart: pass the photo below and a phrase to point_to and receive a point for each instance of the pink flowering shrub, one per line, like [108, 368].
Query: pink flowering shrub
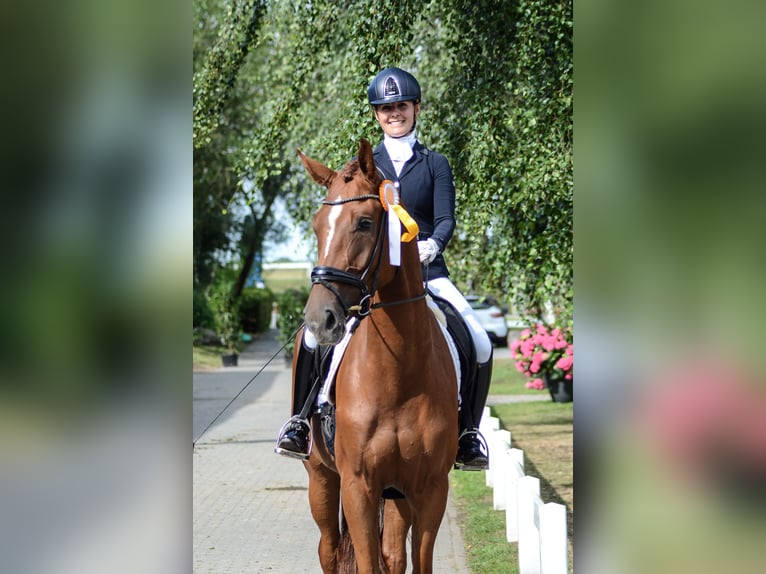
[542, 353]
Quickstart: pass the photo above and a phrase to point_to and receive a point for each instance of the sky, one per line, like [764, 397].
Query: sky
[294, 248]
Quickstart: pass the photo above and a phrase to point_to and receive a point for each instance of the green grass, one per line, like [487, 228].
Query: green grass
[506, 380]
[206, 357]
[280, 280]
[487, 550]
[281, 284]
[535, 413]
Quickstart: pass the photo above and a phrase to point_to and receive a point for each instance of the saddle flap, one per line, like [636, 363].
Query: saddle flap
[461, 336]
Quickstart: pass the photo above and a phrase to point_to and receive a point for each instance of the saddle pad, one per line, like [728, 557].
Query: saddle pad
[337, 355]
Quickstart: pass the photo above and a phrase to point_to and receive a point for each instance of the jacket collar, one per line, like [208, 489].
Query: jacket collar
[419, 153]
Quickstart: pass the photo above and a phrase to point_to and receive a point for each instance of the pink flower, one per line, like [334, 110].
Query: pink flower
[548, 343]
[565, 363]
[527, 347]
[568, 376]
[539, 352]
[537, 384]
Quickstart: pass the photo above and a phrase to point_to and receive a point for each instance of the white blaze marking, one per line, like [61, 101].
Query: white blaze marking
[331, 219]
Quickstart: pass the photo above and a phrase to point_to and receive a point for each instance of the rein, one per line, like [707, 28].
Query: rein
[325, 275]
[282, 348]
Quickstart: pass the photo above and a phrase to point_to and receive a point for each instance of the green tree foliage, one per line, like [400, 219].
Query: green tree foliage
[497, 101]
[502, 113]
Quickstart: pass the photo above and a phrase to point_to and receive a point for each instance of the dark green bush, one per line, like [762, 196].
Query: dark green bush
[202, 315]
[226, 313]
[255, 309]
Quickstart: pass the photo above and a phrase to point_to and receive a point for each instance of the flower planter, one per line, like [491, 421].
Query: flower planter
[546, 357]
[560, 389]
[229, 360]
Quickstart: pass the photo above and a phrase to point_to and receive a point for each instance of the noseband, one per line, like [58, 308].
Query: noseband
[326, 276]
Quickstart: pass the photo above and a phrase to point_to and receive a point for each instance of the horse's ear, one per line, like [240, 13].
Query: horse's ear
[321, 174]
[366, 162]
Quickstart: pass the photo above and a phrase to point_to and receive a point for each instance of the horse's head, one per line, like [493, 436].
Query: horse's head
[349, 227]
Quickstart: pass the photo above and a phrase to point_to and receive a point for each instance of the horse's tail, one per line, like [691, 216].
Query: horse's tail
[346, 559]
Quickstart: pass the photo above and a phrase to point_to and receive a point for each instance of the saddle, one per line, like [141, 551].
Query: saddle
[461, 336]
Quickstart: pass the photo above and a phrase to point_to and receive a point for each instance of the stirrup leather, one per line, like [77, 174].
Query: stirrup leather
[297, 455]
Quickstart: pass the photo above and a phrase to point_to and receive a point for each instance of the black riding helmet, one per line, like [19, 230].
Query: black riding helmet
[393, 85]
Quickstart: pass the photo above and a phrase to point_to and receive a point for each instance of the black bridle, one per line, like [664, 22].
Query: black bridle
[325, 275]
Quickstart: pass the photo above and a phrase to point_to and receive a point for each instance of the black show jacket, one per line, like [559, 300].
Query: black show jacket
[427, 191]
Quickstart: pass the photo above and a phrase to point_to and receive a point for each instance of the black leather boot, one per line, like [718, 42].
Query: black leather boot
[473, 451]
[293, 439]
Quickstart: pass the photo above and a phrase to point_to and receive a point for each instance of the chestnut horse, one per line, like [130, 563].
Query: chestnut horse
[395, 391]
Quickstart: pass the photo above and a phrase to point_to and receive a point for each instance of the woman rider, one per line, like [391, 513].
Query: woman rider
[425, 183]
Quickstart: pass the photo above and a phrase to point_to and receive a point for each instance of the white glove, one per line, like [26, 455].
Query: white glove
[428, 250]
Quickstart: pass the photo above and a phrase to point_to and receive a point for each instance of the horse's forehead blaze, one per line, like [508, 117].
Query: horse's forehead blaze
[330, 228]
[332, 223]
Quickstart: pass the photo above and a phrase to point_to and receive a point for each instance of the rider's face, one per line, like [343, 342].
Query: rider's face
[397, 118]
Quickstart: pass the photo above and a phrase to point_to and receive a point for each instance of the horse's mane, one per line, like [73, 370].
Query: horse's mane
[351, 169]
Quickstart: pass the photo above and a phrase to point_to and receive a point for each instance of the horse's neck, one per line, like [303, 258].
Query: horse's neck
[402, 309]
[406, 284]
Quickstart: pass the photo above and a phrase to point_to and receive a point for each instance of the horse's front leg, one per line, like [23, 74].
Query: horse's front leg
[397, 518]
[324, 499]
[431, 502]
[360, 507]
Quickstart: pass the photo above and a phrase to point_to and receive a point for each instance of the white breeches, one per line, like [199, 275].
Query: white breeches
[443, 287]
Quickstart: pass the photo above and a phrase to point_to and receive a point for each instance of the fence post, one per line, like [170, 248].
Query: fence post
[485, 414]
[515, 464]
[529, 504]
[553, 538]
[487, 427]
[498, 446]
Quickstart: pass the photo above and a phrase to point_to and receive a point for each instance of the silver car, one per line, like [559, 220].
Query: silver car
[491, 317]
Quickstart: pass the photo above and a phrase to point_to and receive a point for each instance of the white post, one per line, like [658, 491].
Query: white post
[553, 538]
[515, 463]
[487, 427]
[500, 443]
[529, 525]
[485, 414]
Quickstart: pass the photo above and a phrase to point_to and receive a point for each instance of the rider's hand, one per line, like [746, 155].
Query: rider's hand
[428, 250]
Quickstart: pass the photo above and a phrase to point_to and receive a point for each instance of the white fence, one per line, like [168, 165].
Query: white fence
[540, 529]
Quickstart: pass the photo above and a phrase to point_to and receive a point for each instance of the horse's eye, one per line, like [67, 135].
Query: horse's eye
[364, 225]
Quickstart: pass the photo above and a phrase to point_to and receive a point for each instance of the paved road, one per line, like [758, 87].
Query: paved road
[251, 512]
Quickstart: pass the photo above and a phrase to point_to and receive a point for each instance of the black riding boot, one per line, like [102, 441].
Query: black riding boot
[473, 452]
[293, 439]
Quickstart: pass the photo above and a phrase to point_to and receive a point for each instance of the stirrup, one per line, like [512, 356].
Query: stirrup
[477, 433]
[295, 419]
